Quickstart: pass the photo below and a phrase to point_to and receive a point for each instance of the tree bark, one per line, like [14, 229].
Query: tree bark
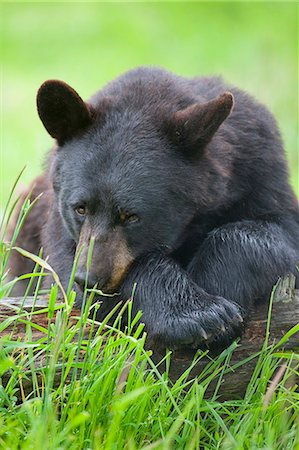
[285, 315]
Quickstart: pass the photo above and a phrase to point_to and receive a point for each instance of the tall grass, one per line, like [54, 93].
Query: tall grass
[82, 384]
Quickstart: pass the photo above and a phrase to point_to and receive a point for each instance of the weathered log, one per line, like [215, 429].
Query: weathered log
[285, 315]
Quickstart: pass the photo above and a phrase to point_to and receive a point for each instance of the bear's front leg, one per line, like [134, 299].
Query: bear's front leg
[242, 261]
[236, 265]
[176, 311]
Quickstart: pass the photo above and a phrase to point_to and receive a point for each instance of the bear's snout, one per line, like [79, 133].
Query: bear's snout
[109, 262]
[89, 280]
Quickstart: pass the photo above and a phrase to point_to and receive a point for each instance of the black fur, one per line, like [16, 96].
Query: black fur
[218, 221]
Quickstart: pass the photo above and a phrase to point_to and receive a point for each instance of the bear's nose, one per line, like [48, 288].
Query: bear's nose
[81, 279]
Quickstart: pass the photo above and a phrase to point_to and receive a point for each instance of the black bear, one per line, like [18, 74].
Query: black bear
[183, 186]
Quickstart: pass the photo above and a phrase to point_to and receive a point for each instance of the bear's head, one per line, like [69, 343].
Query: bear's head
[128, 177]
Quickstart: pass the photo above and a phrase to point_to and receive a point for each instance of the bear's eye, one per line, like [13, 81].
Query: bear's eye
[127, 218]
[80, 210]
[132, 218]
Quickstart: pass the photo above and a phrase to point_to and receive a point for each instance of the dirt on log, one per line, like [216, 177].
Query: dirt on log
[285, 315]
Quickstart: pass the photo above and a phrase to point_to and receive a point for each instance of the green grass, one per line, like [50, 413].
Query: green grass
[86, 385]
[251, 44]
[92, 408]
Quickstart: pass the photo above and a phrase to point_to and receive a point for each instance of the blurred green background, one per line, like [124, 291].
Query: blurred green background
[253, 45]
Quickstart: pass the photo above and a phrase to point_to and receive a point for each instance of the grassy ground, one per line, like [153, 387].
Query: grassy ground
[99, 389]
[251, 44]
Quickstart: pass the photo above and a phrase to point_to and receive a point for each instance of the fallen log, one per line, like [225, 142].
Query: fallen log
[284, 316]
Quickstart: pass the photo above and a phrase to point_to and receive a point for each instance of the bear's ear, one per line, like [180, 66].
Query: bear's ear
[62, 110]
[195, 125]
